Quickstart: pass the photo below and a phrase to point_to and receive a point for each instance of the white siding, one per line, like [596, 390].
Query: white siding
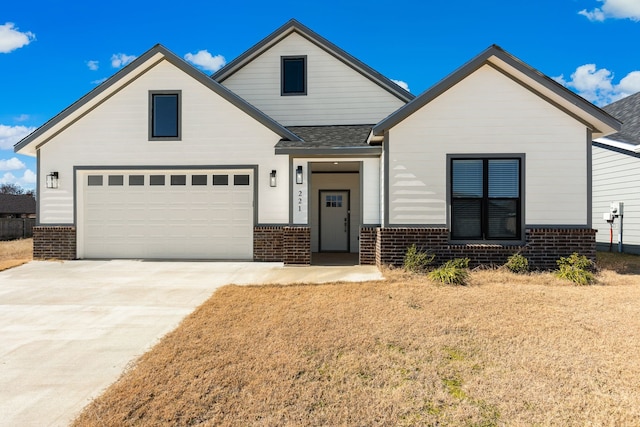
[489, 113]
[615, 179]
[336, 93]
[214, 132]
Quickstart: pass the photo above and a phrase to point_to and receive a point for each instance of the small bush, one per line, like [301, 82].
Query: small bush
[416, 260]
[517, 264]
[576, 268]
[453, 272]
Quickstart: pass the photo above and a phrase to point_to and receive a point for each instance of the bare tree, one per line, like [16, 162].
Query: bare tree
[11, 189]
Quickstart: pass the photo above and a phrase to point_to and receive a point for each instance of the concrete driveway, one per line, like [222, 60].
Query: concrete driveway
[69, 329]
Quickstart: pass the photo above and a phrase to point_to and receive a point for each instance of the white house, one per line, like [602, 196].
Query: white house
[616, 174]
[296, 147]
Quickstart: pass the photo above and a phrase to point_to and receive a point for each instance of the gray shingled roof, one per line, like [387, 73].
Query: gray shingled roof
[17, 204]
[627, 110]
[328, 137]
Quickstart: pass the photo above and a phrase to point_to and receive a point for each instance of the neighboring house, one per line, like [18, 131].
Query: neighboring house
[297, 147]
[616, 175]
[17, 206]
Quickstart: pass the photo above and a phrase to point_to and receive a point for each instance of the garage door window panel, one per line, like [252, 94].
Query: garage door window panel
[94, 180]
[156, 180]
[116, 180]
[220, 179]
[136, 180]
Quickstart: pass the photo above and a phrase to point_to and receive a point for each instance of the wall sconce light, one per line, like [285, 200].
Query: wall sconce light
[272, 178]
[52, 180]
[299, 175]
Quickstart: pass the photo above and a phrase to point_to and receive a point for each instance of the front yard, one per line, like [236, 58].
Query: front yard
[15, 252]
[505, 350]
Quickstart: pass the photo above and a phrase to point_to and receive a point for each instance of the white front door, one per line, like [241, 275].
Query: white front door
[334, 221]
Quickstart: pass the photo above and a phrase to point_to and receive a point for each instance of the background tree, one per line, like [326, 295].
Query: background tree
[11, 189]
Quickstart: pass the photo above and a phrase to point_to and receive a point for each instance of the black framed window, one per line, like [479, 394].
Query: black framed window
[164, 115]
[486, 201]
[294, 75]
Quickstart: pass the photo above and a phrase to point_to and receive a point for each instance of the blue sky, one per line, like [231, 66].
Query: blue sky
[52, 52]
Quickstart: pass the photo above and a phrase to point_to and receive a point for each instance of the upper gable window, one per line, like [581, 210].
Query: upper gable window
[294, 75]
[164, 115]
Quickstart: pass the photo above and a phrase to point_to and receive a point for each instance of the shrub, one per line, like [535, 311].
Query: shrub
[576, 268]
[416, 260]
[517, 264]
[453, 272]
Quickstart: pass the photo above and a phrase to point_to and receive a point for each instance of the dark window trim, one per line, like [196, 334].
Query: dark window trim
[151, 115]
[282, 61]
[520, 223]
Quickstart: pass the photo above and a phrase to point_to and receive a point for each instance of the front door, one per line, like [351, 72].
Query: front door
[334, 221]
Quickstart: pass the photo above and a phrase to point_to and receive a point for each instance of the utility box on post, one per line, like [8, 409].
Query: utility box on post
[617, 209]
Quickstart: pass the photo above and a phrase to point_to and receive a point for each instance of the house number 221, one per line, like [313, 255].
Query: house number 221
[300, 201]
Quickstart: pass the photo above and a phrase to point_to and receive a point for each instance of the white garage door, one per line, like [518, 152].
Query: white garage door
[167, 214]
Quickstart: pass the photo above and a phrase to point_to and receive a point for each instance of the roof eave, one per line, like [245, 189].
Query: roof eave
[329, 151]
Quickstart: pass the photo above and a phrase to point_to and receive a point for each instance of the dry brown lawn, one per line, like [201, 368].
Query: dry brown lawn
[505, 350]
[15, 252]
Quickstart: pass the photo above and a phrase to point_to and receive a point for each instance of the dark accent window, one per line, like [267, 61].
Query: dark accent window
[294, 75]
[486, 199]
[136, 179]
[94, 180]
[241, 180]
[116, 180]
[164, 116]
[178, 180]
[156, 180]
[198, 179]
[220, 179]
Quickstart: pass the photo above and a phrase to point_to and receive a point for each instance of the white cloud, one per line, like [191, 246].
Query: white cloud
[93, 65]
[12, 39]
[597, 86]
[9, 135]
[99, 81]
[22, 118]
[617, 9]
[27, 180]
[11, 164]
[206, 61]
[120, 59]
[403, 85]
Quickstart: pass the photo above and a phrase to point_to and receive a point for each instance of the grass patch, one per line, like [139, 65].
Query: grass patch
[506, 350]
[15, 252]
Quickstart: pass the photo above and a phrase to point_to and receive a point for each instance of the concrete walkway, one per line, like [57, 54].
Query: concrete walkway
[68, 329]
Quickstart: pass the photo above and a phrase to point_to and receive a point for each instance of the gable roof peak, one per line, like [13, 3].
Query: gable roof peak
[533, 80]
[129, 73]
[293, 25]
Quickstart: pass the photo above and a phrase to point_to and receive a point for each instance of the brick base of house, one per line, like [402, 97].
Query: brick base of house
[54, 242]
[281, 243]
[378, 246]
[542, 247]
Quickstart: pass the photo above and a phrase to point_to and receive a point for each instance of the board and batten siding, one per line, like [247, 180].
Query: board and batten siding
[615, 179]
[115, 134]
[336, 93]
[487, 113]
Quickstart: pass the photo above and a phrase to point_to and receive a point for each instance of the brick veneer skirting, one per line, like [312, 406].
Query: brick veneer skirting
[54, 242]
[296, 245]
[543, 246]
[267, 243]
[367, 245]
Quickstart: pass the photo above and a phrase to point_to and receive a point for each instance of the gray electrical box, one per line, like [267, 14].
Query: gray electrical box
[617, 209]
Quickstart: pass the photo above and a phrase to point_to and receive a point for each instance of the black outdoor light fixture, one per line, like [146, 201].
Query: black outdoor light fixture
[52, 180]
[299, 175]
[272, 178]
